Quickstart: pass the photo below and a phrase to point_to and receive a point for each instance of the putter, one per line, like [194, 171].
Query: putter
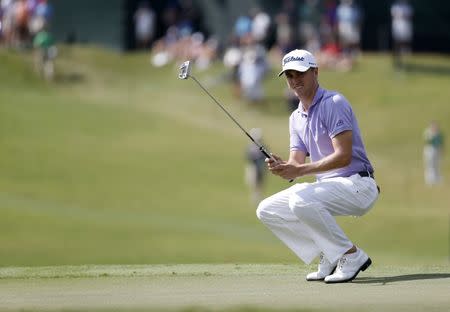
[185, 73]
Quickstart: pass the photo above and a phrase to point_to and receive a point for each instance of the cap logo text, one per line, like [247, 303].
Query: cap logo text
[292, 58]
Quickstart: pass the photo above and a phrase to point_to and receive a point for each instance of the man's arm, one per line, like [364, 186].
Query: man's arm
[296, 166]
[297, 158]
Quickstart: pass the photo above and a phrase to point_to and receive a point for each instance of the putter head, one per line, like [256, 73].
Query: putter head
[185, 70]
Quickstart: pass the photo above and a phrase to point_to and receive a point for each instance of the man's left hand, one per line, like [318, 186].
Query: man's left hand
[285, 170]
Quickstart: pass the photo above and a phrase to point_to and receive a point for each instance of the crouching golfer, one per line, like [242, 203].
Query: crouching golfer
[323, 127]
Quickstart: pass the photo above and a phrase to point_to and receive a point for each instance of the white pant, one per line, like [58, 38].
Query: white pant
[431, 156]
[302, 215]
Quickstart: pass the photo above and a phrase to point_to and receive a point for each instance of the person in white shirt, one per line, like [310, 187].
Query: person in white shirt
[402, 29]
[144, 25]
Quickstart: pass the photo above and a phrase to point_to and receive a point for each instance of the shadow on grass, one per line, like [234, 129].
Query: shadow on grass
[426, 69]
[69, 78]
[400, 278]
[273, 105]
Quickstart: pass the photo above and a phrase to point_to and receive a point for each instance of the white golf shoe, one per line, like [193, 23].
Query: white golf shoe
[349, 266]
[325, 268]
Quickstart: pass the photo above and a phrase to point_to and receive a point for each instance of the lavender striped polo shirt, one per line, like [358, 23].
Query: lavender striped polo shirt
[312, 131]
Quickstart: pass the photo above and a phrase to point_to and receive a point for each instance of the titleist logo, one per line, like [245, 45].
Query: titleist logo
[292, 58]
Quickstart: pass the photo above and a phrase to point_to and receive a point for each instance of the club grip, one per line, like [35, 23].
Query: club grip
[263, 150]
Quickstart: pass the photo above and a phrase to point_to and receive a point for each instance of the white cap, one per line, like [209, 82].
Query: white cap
[299, 60]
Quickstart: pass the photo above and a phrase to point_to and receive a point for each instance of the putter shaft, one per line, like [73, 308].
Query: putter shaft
[185, 73]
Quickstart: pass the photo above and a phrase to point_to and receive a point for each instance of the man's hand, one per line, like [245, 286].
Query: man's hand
[282, 168]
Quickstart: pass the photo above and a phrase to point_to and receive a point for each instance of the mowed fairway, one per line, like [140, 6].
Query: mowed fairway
[219, 288]
[118, 163]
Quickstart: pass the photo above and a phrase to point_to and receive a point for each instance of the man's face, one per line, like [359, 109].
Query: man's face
[302, 83]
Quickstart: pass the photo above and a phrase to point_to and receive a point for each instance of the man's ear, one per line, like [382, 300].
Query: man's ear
[316, 73]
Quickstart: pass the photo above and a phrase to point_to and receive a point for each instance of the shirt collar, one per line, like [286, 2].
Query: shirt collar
[317, 97]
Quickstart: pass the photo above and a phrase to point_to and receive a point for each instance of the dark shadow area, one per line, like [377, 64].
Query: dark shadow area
[273, 105]
[400, 278]
[426, 69]
[69, 78]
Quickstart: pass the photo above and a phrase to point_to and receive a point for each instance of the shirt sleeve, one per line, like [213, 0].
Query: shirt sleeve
[338, 115]
[296, 143]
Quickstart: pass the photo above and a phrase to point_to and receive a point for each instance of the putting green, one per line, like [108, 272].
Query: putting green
[220, 287]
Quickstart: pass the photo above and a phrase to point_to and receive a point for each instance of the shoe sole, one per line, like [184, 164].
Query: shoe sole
[362, 268]
[320, 279]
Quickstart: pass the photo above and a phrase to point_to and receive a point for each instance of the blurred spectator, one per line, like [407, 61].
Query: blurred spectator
[164, 49]
[255, 168]
[144, 22]
[309, 15]
[402, 29]
[331, 56]
[330, 14]
[183, 39]
[289, 8]
[45, 53]
[177, 46]
[284, 32]
[195, 48]
[260, 26]
[432, 153]
[286, 36]
[231, 59]
[252, 70]
[207, 53]
[44, 10]
[328, 22]
[21, 20]
[7, 8]
[190, 16]
[41, 12]
[246, 55]
[349, 23]
[243, 26]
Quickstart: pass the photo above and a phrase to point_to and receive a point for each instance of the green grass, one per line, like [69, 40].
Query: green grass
[121, 163]
[220, 287]
[388, 273]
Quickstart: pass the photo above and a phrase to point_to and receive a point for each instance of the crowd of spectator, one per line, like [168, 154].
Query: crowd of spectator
[21, 20]
[330, 29]
[24, 25]
[182, 39]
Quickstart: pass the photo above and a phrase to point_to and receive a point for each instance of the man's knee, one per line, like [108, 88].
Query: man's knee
[262, 210]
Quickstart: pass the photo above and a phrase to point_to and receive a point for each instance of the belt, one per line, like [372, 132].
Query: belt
[366, 174]
[369, 174]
